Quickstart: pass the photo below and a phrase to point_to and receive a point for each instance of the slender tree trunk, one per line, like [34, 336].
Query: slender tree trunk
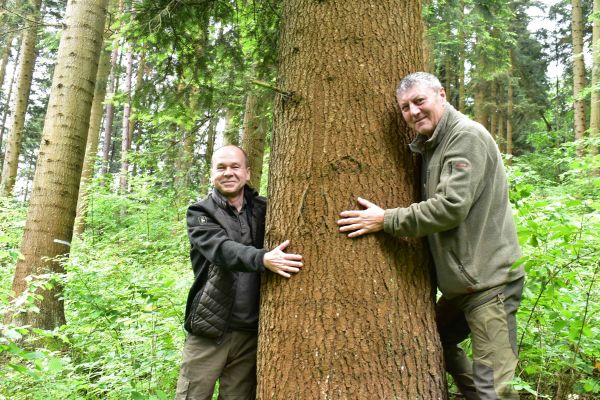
[134, 123]
[93, 139]
[461, 59]
[448, 76]
[494, 113]
[5, 57]
[51, 213]
[126, 135]
[578, 71]
[509, 129]
[358, 321]
[595, 98]
[230, 133]
[211, 135]
[479, 106]
[501, 139]
[183, 141]
[109, 115]
[253, 141]
[8, 100]
[28, 56]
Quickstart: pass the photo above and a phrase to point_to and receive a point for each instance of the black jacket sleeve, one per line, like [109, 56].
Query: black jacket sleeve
[211, 240]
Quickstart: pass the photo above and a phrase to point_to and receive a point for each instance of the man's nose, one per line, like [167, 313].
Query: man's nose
[414, 109]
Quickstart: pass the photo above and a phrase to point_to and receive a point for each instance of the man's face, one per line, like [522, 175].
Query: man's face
[229, 172]
[422, 107]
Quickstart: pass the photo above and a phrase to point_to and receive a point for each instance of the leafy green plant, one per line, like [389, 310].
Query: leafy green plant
[559, 220]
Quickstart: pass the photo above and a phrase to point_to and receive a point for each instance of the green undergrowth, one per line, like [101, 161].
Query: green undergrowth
[557, 201]
[125, 287]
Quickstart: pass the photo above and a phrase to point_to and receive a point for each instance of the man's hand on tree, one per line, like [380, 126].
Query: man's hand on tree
[282, 263]
[361, 222]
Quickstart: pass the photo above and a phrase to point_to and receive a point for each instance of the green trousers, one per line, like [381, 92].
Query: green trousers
[490, 319]
[233, 362]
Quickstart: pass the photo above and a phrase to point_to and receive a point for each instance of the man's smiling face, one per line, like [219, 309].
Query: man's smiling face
[422, 107]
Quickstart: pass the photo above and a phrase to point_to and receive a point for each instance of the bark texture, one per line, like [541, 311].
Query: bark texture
[15, 137]
[358, 321]
[578, 69]
[51, 213]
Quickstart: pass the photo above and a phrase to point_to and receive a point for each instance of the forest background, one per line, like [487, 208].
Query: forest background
[101, 317]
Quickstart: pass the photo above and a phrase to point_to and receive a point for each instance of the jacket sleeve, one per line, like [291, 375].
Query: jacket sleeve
[212, 241]
[461, 181]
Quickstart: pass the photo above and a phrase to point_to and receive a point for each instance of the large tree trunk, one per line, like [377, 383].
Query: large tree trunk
[51, 213]
[28, 56]
[253, 141]
[578, 70]
[358, 321]
[595, 98]
[93, 139]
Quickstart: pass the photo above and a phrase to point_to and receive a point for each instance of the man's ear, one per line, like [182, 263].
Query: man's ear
[442, 93]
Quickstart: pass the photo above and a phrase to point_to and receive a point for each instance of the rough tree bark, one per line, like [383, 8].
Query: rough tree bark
[358, 321]
[51, 213]
[15, 137]
[578, 70]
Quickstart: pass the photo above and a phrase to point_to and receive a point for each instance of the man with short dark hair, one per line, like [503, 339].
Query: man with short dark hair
[226, 232]
[467, 218]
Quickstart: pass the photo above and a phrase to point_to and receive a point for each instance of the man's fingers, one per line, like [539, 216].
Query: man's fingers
[347, 221]
[365, 203]
[357, 233]
[283, 245]
[291, 256]
[350, 227]
[284, 274]
[350, 213]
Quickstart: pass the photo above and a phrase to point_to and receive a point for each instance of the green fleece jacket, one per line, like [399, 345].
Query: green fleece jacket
[465, 213]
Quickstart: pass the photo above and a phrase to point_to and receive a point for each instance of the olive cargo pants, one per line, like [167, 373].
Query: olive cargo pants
[233, 361]
[491, 322]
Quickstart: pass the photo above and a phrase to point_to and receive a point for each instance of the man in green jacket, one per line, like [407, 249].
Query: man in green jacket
[466, 215]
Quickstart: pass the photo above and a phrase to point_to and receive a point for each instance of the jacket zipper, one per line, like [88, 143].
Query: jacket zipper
[462, 269]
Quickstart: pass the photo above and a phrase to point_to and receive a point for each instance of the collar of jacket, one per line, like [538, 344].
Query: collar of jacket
[422, 142]
[249, 195]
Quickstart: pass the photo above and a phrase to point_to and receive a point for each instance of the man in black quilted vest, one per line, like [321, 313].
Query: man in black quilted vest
[226, 232]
